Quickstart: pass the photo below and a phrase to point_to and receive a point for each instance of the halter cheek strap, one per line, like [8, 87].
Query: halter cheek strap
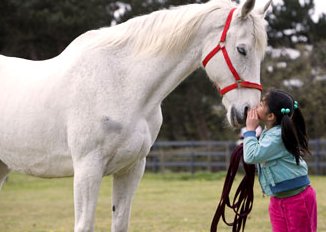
[239, 83]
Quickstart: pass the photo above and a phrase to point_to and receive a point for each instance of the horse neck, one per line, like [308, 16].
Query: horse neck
[165, 73]
[168, 71]
[151, 78]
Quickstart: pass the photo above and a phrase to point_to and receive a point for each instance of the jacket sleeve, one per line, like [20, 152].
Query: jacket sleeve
[267, 149]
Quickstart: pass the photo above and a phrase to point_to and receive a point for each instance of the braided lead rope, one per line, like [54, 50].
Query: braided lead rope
[243, 197]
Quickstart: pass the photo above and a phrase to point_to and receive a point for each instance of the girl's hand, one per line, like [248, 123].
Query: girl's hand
[252, 121]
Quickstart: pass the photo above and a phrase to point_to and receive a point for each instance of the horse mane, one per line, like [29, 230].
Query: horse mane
[168, 30]
[260, 34]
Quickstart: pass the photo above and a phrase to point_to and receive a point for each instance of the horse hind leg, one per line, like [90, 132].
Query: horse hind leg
[4, 171]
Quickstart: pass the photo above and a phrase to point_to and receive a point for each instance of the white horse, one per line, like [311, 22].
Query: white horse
[95, 109]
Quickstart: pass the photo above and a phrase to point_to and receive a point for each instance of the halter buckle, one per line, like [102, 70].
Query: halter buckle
[239, 83]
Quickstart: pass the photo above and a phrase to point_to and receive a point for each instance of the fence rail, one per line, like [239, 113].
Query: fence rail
[212, 156]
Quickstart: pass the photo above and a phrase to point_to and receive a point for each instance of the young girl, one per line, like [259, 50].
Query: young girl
[283, 174]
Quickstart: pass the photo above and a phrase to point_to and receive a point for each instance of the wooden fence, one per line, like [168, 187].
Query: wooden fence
[212, 156]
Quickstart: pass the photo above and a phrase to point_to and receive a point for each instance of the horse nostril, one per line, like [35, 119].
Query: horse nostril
[245, 112]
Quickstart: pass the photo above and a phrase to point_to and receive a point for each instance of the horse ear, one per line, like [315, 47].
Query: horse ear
[262, 11]
[247, 7]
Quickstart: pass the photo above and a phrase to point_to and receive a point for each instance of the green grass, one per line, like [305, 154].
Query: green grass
[163, 203]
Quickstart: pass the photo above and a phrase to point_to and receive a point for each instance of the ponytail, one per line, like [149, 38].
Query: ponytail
[289, 116]
[290, 137]
[300, 126]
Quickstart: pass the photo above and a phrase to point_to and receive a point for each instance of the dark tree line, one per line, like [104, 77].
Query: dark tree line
[41, 29]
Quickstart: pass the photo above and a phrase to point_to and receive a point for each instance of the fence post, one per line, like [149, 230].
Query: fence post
[210, 159]
[162, 160]
[317, 160]
[192, 162]
[227, 155]
[192, 158]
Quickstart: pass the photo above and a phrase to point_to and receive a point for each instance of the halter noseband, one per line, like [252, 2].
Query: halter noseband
[239, 83]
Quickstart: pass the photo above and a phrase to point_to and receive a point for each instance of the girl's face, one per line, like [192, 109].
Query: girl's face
[263, 111]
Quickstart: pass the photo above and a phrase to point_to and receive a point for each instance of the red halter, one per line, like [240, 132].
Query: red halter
[239, 83]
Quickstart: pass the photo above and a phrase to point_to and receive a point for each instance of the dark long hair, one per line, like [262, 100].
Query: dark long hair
[294, 134]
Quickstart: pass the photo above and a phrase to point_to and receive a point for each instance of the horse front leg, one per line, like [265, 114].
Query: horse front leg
[88, 173]
[124, 187]
[4, 171]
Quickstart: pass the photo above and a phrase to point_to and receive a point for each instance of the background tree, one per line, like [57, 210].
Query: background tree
[290, 23]
[40, 29]
[304, 75]
[319, 29]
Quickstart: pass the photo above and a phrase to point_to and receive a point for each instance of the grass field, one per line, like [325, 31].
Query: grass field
[163, 203]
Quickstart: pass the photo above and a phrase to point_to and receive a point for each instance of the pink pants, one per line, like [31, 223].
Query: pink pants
[294, 214]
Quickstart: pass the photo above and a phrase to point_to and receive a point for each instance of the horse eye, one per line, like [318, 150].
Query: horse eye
[242, 51]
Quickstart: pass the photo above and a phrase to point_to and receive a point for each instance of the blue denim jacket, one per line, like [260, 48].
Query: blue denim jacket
[277, 169]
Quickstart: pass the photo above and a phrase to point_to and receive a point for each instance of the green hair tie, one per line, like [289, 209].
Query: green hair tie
[295, 105]
[285, 110]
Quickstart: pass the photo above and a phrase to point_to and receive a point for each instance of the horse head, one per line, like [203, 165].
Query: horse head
[233, 61]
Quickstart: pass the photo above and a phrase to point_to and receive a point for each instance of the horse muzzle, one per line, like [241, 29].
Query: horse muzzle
[238, 117]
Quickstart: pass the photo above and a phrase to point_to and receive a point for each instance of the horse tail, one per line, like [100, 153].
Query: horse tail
[244, 195]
